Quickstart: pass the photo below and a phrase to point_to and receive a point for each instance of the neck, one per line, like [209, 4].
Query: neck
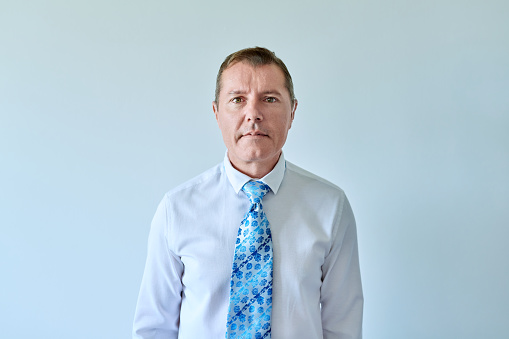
[255, 169]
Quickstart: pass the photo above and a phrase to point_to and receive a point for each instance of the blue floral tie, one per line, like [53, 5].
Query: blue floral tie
[250, 306]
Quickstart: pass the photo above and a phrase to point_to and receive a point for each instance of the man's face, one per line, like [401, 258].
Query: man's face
[254, 113]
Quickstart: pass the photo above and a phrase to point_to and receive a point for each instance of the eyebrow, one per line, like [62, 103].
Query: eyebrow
[269, 92]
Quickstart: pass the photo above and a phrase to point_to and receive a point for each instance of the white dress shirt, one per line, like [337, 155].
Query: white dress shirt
[317, 289]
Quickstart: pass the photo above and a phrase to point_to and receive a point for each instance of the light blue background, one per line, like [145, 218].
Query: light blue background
[106, 105]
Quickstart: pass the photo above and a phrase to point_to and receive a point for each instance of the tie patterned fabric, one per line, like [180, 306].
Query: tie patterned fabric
[249, 312]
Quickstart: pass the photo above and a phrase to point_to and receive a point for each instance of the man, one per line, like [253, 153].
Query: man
[308, 284]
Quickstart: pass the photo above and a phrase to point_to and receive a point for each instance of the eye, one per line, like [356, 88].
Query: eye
[270, 99]
[236, 100]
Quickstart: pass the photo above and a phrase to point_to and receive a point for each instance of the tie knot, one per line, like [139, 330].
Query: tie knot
[255, 190]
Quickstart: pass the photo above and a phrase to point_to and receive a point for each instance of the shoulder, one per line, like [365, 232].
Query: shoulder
[316, 196]
[200, 183]
[307, 180]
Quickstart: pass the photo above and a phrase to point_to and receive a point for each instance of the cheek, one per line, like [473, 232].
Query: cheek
[228, 128]
[283, 125]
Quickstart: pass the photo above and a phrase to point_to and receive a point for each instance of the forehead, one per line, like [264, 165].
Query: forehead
[247, 77]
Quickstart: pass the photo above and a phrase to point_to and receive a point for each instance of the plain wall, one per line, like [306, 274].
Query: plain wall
[106, 105]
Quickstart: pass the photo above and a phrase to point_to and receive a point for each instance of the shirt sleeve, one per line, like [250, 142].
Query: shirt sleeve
[158, 308]
[341, 293]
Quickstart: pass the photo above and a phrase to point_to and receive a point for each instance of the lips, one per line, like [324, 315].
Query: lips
[254, 134]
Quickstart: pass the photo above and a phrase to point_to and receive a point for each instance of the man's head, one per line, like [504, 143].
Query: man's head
[254, 109]
[255, 56]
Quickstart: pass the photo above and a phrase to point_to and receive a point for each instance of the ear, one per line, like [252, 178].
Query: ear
[215, 108]
[292, 114]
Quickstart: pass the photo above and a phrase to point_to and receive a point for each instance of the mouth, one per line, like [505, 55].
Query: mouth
[254, 134]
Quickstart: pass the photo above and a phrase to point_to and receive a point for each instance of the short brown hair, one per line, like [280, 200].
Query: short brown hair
[255, 56]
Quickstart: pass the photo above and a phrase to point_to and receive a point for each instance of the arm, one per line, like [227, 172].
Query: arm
[341, 292]
[158, 309]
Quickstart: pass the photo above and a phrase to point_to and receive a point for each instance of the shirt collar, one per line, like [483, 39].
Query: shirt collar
[273, 179]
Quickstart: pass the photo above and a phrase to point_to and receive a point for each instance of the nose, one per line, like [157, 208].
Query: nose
[253, 112]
